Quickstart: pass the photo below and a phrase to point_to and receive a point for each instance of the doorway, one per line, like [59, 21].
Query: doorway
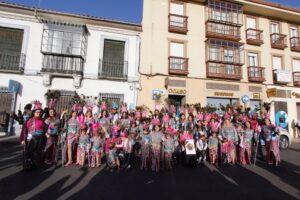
[177, 101]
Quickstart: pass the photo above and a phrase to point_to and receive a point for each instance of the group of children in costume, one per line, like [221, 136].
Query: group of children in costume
[156, 139]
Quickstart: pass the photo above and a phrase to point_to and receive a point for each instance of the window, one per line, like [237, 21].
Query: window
[64, 40]
[10, 49]
[218, 103]
[177, 8]
[111, 98]
[277, 63]
[64, 101]
[253, 59]
[296, 65]
[251, 23]
[293, 31]
[224, 51]
[225, 12]
[177, 49]
[275, 27]
[113, 63]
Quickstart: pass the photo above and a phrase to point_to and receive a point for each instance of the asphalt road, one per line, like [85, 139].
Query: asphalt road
[203, 182]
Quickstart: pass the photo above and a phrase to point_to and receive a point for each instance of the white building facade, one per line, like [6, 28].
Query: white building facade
[47, 50]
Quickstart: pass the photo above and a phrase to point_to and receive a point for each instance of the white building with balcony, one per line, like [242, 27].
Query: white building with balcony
[48, 50]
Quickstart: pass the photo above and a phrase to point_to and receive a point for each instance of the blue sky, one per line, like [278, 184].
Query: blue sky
[125, 10]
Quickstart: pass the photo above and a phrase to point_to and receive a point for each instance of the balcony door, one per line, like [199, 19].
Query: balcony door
[177, 56]
[177, 13]
[251, 27]
[277, 63]
[254, 71]
[275, 27]
[294, 35]
[113, 58]
[229, 58]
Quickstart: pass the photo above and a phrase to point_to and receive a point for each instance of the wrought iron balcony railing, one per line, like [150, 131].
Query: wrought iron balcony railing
[223, 71]
[113, 68]
[222, 31]
[12, 62]
[254, 36]
[178, 65]
[295, 44]
[256, 74]
[178, 23]
[278, 41]
[62, 64]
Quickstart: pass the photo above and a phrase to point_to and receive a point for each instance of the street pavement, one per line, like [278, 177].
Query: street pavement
[202, 182]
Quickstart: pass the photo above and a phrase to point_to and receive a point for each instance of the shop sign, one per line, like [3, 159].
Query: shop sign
[13, 86]
[177, 91]
[256, 96]
[271, 92]
[296, 95]
[245, 99]
[224, 94]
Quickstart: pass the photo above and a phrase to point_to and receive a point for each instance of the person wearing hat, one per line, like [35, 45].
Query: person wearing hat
[230, 139]
[168, 148]
[33, 135]
[145, 146]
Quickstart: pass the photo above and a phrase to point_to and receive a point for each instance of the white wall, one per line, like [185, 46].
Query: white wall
[32, 81]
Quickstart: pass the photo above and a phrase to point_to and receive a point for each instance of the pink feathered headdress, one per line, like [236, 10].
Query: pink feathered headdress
[214, 126]
[145, 126]
[115, 130]
[155, 122]
[37, 105]
[227, 116]
[182, 110]
[81, 121]
[96, 126]
[171, 130]
[207, 117]
[123, 134]
[166, 118]
[157, 107]
[200, 116]
[103, 106]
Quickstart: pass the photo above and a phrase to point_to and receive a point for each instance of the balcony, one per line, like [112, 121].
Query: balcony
[281, 76]
[113, 69]
[178, 24]
[296, 77]
[178, 65]
[12, 62]
[223, 71]
[254, 36]
[256, 74]
[222, 31]
[61, 64]
[295, 44]
[278, 41]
